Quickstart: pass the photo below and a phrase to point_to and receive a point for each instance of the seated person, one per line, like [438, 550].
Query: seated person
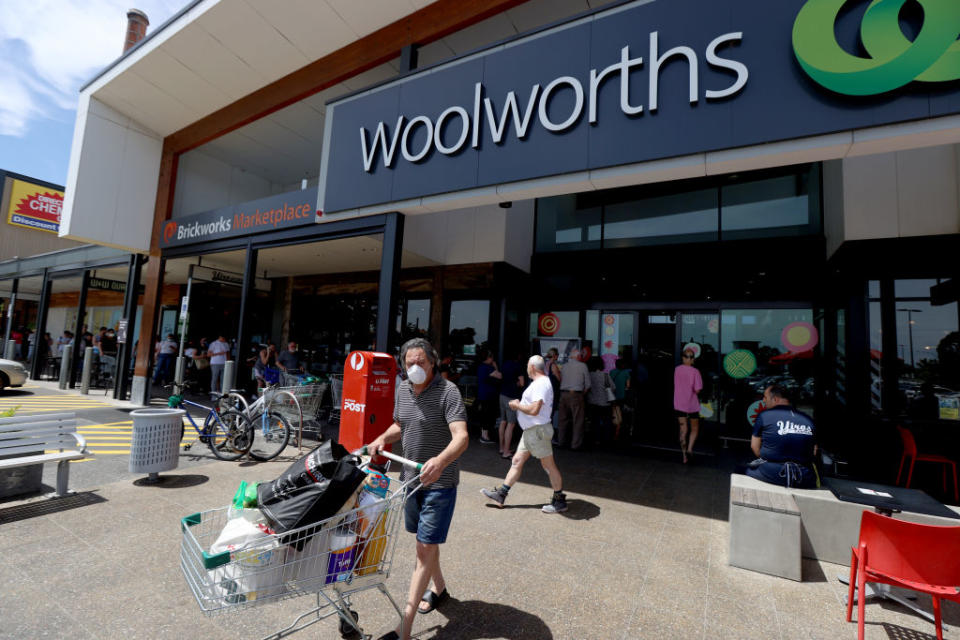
[783, 441]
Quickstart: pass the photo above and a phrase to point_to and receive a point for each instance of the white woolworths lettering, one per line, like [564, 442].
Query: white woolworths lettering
[387, 142]
[353, 405]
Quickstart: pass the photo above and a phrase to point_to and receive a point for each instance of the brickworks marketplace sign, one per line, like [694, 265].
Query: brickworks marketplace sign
[283, 211]
[644, 81]
[34, 207]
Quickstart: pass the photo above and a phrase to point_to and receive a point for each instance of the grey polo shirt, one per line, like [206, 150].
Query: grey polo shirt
[574, 376]
[425, 424]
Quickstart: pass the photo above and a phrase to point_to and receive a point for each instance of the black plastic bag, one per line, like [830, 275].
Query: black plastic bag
[312, 489]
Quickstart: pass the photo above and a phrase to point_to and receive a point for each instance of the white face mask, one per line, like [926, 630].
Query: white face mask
[416, 374]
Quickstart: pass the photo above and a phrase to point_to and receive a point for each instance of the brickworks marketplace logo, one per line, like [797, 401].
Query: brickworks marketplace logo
[169, 231]
[894, 60]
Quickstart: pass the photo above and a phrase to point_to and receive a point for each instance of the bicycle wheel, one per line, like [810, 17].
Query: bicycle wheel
[229, 435]
[271, 432]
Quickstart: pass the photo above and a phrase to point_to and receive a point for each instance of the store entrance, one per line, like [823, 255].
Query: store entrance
[662, 336]
[739, 353]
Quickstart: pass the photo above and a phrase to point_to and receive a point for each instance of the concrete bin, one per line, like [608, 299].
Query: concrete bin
[156, 440]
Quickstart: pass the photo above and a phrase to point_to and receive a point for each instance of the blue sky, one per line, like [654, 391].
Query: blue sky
[48, 50]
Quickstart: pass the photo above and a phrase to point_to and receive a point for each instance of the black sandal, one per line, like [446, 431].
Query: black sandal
[390, 635]
[434, 600]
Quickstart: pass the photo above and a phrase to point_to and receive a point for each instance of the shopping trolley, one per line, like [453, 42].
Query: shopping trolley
[333, 559]
[303, 410]
[336, 398]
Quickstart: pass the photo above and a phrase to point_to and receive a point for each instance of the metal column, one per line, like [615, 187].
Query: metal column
[121, 376]
[249, 277]
[389, 275]
[78, 334]
[13, 301]
[37, 363]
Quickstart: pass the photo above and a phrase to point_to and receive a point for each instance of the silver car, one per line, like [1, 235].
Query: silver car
[12, 374]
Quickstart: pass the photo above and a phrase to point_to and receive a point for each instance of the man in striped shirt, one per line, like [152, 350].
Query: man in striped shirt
[431, 420]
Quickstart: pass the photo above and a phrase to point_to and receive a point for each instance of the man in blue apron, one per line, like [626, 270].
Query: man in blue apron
[784, 443]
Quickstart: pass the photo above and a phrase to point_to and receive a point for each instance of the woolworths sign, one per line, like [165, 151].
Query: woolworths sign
[646, 81]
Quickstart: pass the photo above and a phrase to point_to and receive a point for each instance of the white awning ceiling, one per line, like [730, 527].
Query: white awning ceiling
[221, 50]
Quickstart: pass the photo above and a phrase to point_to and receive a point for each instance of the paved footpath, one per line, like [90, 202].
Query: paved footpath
[642, 553]
[104, 423]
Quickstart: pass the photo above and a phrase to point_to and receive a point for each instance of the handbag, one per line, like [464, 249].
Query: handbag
[611, 396]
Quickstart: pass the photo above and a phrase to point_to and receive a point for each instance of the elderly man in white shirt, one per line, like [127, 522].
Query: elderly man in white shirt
[533, 415]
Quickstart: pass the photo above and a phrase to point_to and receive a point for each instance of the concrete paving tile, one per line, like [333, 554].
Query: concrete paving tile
[676, 590]
[744, 618]
[652, 623]
[27, 612]
[734, 582]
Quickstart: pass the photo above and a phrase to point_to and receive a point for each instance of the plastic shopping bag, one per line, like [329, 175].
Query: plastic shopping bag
[255, 567]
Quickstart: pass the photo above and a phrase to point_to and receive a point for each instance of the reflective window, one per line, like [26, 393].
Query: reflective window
[783, 344]
[469, 325]
[774, 206]
[928, 355]
[686, 217]
[561, 226]
[702, 210]
[913, 288]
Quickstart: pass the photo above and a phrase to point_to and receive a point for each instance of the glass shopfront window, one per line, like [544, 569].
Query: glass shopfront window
[562, 324]
[928, 355]
[688, 217]
[753, 205]
[775, 206]
[469, 326]
[562, 226]
[760, 347]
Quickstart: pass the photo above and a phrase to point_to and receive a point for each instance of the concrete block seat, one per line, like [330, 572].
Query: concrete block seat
[765, 531]
[828, 527]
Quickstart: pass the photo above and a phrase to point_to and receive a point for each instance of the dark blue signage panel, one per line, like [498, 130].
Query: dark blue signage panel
[281, 211]
[634, 83]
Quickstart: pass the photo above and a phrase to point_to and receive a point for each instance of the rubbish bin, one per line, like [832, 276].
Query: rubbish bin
[156, 440]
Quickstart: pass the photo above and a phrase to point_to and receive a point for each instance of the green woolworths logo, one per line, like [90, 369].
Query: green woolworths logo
[895, 61]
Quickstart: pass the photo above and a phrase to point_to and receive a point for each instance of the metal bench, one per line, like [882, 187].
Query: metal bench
[33, 440]
[764, 529]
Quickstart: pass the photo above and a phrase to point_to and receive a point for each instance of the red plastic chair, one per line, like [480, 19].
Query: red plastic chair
[920, 557]
[910, 451]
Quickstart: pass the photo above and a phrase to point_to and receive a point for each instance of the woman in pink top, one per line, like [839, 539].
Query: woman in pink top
[687, 383]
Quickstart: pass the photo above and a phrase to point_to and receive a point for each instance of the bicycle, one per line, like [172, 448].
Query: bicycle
[228, 433]
[271, 435]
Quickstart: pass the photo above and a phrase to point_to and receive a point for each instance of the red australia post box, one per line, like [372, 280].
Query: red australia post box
[367, 410]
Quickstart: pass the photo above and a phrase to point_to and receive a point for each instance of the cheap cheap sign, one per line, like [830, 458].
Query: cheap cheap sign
[34, 207]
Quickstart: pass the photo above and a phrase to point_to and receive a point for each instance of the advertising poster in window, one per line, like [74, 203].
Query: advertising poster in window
[34, 207]
[610, 334]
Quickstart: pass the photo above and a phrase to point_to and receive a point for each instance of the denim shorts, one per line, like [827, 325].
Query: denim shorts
[428, 513]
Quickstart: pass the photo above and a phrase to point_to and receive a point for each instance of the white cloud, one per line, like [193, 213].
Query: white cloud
[49, 48]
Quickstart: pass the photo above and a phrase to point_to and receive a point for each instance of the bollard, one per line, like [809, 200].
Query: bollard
[11, 349]
[66, 359]
[228, 373]
[178, 375]
[87, 367]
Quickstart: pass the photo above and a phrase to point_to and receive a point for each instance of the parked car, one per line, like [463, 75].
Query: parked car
[12, 374]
